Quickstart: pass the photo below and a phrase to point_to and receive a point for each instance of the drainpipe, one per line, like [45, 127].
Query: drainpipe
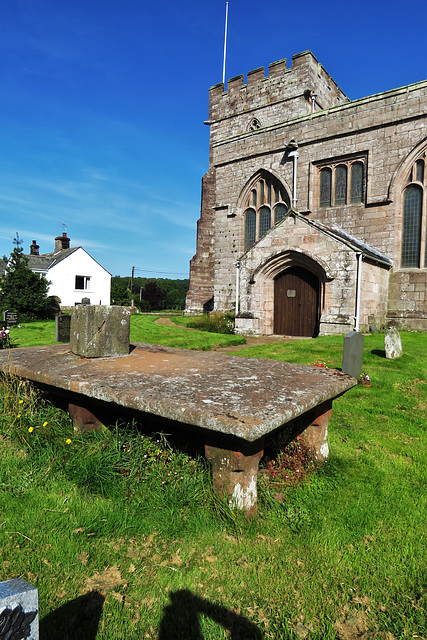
[358, 289]
[313, 102]
[237, 287]
[292, 151]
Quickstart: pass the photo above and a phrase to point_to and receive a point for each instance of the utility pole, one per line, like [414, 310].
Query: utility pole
[131, 279]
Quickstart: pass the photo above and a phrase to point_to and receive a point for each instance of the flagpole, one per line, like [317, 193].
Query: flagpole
[225, 42]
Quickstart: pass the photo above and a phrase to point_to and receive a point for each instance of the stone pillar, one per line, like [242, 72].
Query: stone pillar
[234, 474]
[99, 331]
[83, 419]
[315, 435]
[19, 615]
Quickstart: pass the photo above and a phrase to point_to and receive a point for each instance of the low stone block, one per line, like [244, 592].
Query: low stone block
[19, 610]
[99, 331]
[392, 343]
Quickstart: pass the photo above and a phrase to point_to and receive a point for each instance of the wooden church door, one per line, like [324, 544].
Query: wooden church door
[296, 303]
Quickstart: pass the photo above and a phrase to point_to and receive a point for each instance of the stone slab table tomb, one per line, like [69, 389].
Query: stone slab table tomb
[233, 402]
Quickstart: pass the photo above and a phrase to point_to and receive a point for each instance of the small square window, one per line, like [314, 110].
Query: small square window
[82, 282]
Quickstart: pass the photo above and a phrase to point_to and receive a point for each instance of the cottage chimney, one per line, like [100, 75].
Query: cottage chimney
[34, 249]
[62, 242]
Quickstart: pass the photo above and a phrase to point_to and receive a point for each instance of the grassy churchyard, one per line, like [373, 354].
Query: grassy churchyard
[124, 538]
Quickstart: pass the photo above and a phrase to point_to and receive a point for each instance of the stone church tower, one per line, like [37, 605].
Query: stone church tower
[314, 208]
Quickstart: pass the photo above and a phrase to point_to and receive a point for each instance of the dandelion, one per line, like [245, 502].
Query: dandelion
[19, 415]
[68, 441]
[21, 401]
[30, 429]
[44, 424]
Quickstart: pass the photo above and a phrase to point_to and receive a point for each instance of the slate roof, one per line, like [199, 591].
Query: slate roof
[341, 236]
[48, 260]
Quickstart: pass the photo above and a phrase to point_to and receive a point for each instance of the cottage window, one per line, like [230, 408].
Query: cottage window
[414, 218]
[82, 282]
[267, 200]
[341, 183]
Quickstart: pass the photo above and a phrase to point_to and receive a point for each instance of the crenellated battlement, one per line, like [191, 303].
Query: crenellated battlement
[304, 79]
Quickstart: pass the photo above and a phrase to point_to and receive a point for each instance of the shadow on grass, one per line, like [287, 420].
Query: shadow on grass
[77, 619]
[181, 619]
[378, 352]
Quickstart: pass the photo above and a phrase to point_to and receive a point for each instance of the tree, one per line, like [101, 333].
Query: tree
[22, 290]
[154, 295]
[120, 293]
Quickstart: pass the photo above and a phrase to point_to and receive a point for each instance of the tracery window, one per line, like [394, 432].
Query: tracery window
[342, 183]
[266, 203]
[414, 253]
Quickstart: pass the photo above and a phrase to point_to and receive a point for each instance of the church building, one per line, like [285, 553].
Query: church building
[314, 208]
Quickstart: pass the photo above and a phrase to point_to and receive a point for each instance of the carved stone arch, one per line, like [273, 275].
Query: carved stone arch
[398, 177]
[279, 262]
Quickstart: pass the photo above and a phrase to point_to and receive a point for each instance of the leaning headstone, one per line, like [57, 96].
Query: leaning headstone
[353, 354]
[98, 331]
[19, 615]
[11, 318]
[373, 328]
[392, 343]
[62, 328]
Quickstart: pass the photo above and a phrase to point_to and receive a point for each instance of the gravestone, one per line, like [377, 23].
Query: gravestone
[392, 343]
[353, 354]
[11, 318]
[19, 617]
[98, 331]
[62, 328]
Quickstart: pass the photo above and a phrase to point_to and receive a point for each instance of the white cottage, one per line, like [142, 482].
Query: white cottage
[73, 274]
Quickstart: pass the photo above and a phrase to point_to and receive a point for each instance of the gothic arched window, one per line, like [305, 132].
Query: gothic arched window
[266, 200]
[414, 218]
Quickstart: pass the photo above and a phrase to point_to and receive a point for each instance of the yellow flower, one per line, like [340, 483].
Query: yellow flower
[30, 429]
[68, 441]
[19, 415]
[21, 401]
[44, 424]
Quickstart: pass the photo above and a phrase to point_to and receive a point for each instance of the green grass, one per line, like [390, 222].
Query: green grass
[143, 329]
[343, 556]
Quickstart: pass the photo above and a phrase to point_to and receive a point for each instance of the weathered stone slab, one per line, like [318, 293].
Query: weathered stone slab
[233, 402]
[98, 331]
[392, 343]
[353, 354]
[19, 606]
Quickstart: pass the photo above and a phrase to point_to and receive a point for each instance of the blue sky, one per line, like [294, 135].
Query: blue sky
[102, 107]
